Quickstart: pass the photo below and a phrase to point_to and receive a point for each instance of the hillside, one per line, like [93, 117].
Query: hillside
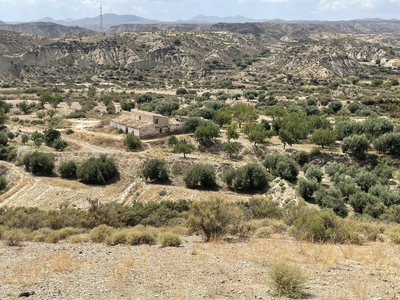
[277, 29]
[142, 53]
[333, 57]
[14, 43]
[45, 29]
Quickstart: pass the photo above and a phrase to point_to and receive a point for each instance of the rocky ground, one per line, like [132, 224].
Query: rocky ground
[196, 270]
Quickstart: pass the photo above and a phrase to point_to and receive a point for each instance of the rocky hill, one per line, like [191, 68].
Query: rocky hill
[179, 54]
[278, 29]
[200, 51]
[45, 29]
[14, 43]
[334, 57]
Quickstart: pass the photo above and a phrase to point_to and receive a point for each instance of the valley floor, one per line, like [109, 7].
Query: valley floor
[196, 270]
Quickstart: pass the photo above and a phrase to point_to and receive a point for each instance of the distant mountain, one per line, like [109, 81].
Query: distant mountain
[202, 19]
[1, 22]
[48, 19]
[45, 29]
[109, 20]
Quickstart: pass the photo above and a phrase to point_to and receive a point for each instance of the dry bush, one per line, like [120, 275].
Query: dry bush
[168, 239]
[78, 239]
[100, 233]
[287, 280]
[141, 235]
[394, 236]
[13, 238]
[214, 217]
[263, 232]
[117, 237]
[62, 234]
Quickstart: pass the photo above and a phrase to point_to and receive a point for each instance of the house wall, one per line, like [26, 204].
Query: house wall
[150, 117]
[118, 126]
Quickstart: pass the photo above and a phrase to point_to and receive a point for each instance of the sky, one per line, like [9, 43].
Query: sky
[168, 10]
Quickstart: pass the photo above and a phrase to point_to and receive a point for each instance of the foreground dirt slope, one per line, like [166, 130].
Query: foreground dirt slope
[196, 270]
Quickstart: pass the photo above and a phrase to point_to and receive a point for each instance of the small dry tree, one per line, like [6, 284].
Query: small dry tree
[287, 280]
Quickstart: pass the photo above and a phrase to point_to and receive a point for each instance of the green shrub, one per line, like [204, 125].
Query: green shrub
[3, 138]
[155, 169]
[68, 170]
[39, 163]
[353, 107]
[132, 142]
[347, 128]
[24, 138]
[318, 226]
[205, 134]
[60, 145]
[3, 183]
[200, 176]
[324, 137]
[168, 239]
[172, 140]
[357, 145]
[101, 233]
[331, 199]
[181, 91]
[388, 143]
[384, 173]
[231, 148]
[248, 178]
[183, 146]
[392, 214]
[281, 166]
[287, 280]
[366, 180]
[261, 208]
[98, 170]
[302, 157]
[346, 185]
[50, 135]
[335, 106]
[360, 200]
[314, 172]
[377, 126]
[307, 187]
[334, 169]
[191, 124]
[214, 217]
[386, 195]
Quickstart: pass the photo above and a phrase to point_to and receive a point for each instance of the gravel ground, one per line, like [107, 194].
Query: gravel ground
[196, 270]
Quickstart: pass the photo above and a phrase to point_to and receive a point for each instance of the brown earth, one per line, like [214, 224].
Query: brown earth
[197, 270]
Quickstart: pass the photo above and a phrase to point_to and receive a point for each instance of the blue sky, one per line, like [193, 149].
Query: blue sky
[25, 10]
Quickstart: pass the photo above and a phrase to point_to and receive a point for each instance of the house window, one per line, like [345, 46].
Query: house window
[156, 121]
[140, 117]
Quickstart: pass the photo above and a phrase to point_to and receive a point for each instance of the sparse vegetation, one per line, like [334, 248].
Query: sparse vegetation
[287, 280]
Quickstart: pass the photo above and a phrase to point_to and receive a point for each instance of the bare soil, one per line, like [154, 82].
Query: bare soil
[196, 270]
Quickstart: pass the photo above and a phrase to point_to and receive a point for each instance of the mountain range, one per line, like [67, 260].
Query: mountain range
[111, 19]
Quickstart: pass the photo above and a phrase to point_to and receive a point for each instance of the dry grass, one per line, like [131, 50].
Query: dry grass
[63, 263]
[122, 272]
[319, 256]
